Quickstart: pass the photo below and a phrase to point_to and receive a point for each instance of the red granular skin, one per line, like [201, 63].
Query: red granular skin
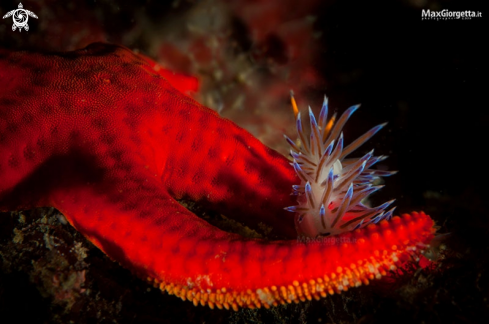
[102, 135]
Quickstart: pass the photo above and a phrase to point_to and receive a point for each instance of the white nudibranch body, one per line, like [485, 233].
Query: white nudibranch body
[332, 187]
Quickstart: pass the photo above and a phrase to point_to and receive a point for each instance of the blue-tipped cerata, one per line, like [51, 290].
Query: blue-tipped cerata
[333, 188]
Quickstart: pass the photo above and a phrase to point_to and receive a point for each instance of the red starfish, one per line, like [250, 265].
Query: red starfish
[100, 135]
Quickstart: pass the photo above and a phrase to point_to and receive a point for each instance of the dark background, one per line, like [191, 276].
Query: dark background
[428, 79]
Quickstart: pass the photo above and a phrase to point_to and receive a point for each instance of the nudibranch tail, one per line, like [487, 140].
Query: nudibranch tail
[332, 187]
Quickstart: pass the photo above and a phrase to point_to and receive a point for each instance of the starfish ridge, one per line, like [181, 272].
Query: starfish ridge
[103, 137]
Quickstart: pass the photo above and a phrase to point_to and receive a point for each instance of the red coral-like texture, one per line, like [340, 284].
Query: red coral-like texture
[101, 135]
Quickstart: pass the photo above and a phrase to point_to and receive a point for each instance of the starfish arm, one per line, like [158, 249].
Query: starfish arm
[100, 134]
[180, 81]
[230, 170]
[197, 154]
[135, 222]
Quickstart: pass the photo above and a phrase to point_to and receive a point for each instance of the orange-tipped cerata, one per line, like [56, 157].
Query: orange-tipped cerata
[102, 136]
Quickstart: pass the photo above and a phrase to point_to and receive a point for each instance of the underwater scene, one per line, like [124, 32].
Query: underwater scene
[243, 161]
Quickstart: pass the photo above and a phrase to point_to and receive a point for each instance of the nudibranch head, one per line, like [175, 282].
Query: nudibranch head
[333, 187]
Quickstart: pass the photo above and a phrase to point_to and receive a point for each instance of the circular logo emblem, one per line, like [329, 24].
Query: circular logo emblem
[20, 17]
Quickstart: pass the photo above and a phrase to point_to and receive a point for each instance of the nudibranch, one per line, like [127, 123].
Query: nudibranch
[105, 137]
[332, 188]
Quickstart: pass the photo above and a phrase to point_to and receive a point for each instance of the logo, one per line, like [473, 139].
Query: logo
[427, 14]
[20, 17]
